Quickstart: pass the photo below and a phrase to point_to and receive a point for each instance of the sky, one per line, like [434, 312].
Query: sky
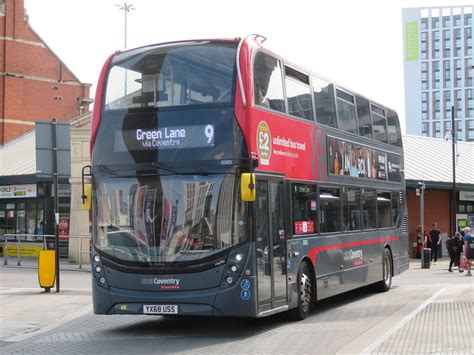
[357, 44]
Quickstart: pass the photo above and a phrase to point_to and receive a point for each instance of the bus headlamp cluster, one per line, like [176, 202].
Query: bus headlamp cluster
[97, 267]
[235, 263]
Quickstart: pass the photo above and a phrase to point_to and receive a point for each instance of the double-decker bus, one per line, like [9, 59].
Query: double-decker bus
[229, 182]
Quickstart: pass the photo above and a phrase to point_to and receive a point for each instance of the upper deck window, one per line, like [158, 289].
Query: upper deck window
[363, 117]
[268, 83]
[324, 102]
[298, 94]
[393, 128]
[172, 75]
[346, 111]
[379, 123]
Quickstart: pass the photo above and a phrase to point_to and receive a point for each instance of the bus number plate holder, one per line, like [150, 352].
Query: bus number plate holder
[160, 309]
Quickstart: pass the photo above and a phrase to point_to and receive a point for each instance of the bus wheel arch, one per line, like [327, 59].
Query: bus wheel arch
[306, 289]
[387, 271]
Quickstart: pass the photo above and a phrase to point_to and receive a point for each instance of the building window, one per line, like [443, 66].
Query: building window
[457, 20]
[468, 20]
[470, 130]
[447, 128]
[447, 43]
[447, 74]
[435, 22]
[469, 74]
[436, 44]
[447, 104]
[457, 42]
[458, 73]
[470, 103]
[424, 129]
[424, 75]
[424, 106]
[436, 75]
[458, 130]
[446, 21]
[437, 129]
[424, 45]
[468, 41]
[436, 105]
[424, 23]
[458, 102]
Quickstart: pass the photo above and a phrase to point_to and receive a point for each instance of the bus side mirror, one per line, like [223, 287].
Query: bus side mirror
[247, 187]
[86, 197]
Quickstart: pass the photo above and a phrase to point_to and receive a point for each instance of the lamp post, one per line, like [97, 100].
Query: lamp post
[126, 8]
[453, 145]
[421, 189]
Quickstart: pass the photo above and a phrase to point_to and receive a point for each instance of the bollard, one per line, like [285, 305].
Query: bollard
[5, 251]
[18, 258]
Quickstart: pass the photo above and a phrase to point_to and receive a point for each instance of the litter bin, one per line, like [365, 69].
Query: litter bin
[47, 269]
[426, 258]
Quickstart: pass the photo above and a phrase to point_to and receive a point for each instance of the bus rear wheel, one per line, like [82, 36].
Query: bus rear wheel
[386, 283]
[305, 293]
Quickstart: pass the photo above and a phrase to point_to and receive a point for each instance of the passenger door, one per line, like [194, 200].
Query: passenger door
[271, 244]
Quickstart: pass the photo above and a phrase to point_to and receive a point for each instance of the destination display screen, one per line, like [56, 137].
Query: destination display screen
[177, 137]
[166, 135]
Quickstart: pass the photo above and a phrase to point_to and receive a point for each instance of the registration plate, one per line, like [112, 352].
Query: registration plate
[160, 309]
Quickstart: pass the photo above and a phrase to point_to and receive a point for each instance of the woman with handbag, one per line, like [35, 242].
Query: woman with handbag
[468, 250]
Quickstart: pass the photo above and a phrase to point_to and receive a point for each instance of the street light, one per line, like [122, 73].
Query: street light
[126, 8]
[453, 145]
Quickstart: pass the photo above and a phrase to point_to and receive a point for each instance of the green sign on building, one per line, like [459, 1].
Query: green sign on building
[411, 40]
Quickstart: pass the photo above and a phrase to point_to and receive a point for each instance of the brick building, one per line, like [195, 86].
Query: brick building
[34, 83]
[429, 161]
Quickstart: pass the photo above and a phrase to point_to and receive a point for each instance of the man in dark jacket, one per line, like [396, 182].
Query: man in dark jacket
[435, 240]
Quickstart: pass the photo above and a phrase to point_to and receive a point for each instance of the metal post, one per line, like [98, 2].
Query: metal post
[56, 200]
[18, 252]
[5, 251]
[422, 221]
[453, 144]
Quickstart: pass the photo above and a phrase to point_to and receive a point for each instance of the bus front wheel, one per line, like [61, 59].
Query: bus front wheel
[386, 283]
[305, 293]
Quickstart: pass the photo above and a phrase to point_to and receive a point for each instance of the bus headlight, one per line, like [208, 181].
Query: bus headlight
[98, 269]
[96, 258]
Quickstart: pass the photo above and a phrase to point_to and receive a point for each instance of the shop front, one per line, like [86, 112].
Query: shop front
[27, 214]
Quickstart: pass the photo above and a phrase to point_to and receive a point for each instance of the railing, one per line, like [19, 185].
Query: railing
[47, 239]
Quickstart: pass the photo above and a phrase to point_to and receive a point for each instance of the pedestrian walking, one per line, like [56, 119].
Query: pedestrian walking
[434, 239]
[458, 247]
[468, 250]
[451, 245]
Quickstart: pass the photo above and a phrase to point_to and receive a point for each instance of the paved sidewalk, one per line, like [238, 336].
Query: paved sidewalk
[437, 317]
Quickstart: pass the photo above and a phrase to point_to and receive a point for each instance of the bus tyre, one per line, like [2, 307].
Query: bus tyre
[386, 283]
[305, 293]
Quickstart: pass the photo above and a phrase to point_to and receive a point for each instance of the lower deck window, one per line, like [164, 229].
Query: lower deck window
[330, 205]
